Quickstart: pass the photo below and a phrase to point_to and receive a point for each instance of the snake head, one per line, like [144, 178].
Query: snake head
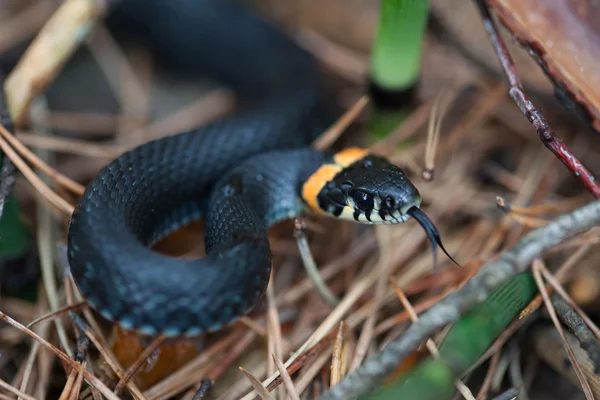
[370, 190]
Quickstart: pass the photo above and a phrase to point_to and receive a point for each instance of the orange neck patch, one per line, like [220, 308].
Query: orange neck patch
[349, 156]
[313, 185]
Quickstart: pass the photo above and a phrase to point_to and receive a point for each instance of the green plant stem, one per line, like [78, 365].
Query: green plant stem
[465, 343]
[488, 279]
[396, 53]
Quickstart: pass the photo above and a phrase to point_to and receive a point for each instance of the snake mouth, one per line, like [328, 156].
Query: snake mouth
[432, 233]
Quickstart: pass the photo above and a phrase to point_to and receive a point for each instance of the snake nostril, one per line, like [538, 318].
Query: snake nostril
[389, 202]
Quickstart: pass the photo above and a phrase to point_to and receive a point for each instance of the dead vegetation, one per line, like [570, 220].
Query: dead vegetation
[489, 182]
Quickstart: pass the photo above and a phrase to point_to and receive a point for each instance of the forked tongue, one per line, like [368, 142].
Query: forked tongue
[431, 231]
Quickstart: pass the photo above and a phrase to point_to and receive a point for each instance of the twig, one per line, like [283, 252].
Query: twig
[383, 266]
[327, 138]
[576, 367]
[33, 352]
[46, 250]
[514, 369]
[431, 347]
[533, 305]
[311, 371]
[14, 390]
[548, 137]
[262, 391]
[577, 326]
[134, 368]
[20, 26]
[336, 358]
[549, 347]
[58, 39]
[510, 394]
[163, 387]
[49, 195]
[81, 348]
[440, 108]
[205, 386]
[87, 375]
[311, 266]
[78, 147]
[474, 292]
[408, 128]
[274, 336]
[106, 353]
[287, 380]
[30, 156]
[58, 312]
[485, 386]
[554, 281]
[7, 173]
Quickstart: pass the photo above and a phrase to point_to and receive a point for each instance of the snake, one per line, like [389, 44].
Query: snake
[241, 174]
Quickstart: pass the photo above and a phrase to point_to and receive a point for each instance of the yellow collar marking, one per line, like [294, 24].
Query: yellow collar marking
[315, 183]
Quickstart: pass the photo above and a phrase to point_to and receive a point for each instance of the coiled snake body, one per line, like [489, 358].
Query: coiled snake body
[241, 174]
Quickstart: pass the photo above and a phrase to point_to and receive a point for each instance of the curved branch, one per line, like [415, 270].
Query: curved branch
[448, 310]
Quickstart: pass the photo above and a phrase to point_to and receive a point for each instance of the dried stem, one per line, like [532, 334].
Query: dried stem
[474, 292]
[135, 367]
[335, 131]
[7, 171]
[577, 326]
[548, 137]
[310, 266]
[56, 176]
[66, 359]
[538, 279]
[337, 357]
[49, 51]
[48, 194]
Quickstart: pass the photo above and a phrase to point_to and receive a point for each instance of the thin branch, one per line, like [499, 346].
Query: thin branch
[59, 312]
[7, 171]
[107, 354]
[30, 156]
[66, 359]
[262, 391]
[14, 390]
[585, 386]
[327, 138]
[310, 266]
[577, 326]
[433, 350]
[287, 380]
[515, 370]
[49, 195]
[510, 394]
[48, 52]
[337, 357]
[135, 367]
[570, 302]
[203, 390]
[548, 137]
[485, 386]
[489, 277]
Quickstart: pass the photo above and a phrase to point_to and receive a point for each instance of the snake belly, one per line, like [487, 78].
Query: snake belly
[241, 174]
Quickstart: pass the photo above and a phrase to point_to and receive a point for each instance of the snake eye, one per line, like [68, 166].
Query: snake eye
[363, 200]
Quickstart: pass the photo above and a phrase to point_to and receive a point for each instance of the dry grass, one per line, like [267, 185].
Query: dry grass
[492, 184]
